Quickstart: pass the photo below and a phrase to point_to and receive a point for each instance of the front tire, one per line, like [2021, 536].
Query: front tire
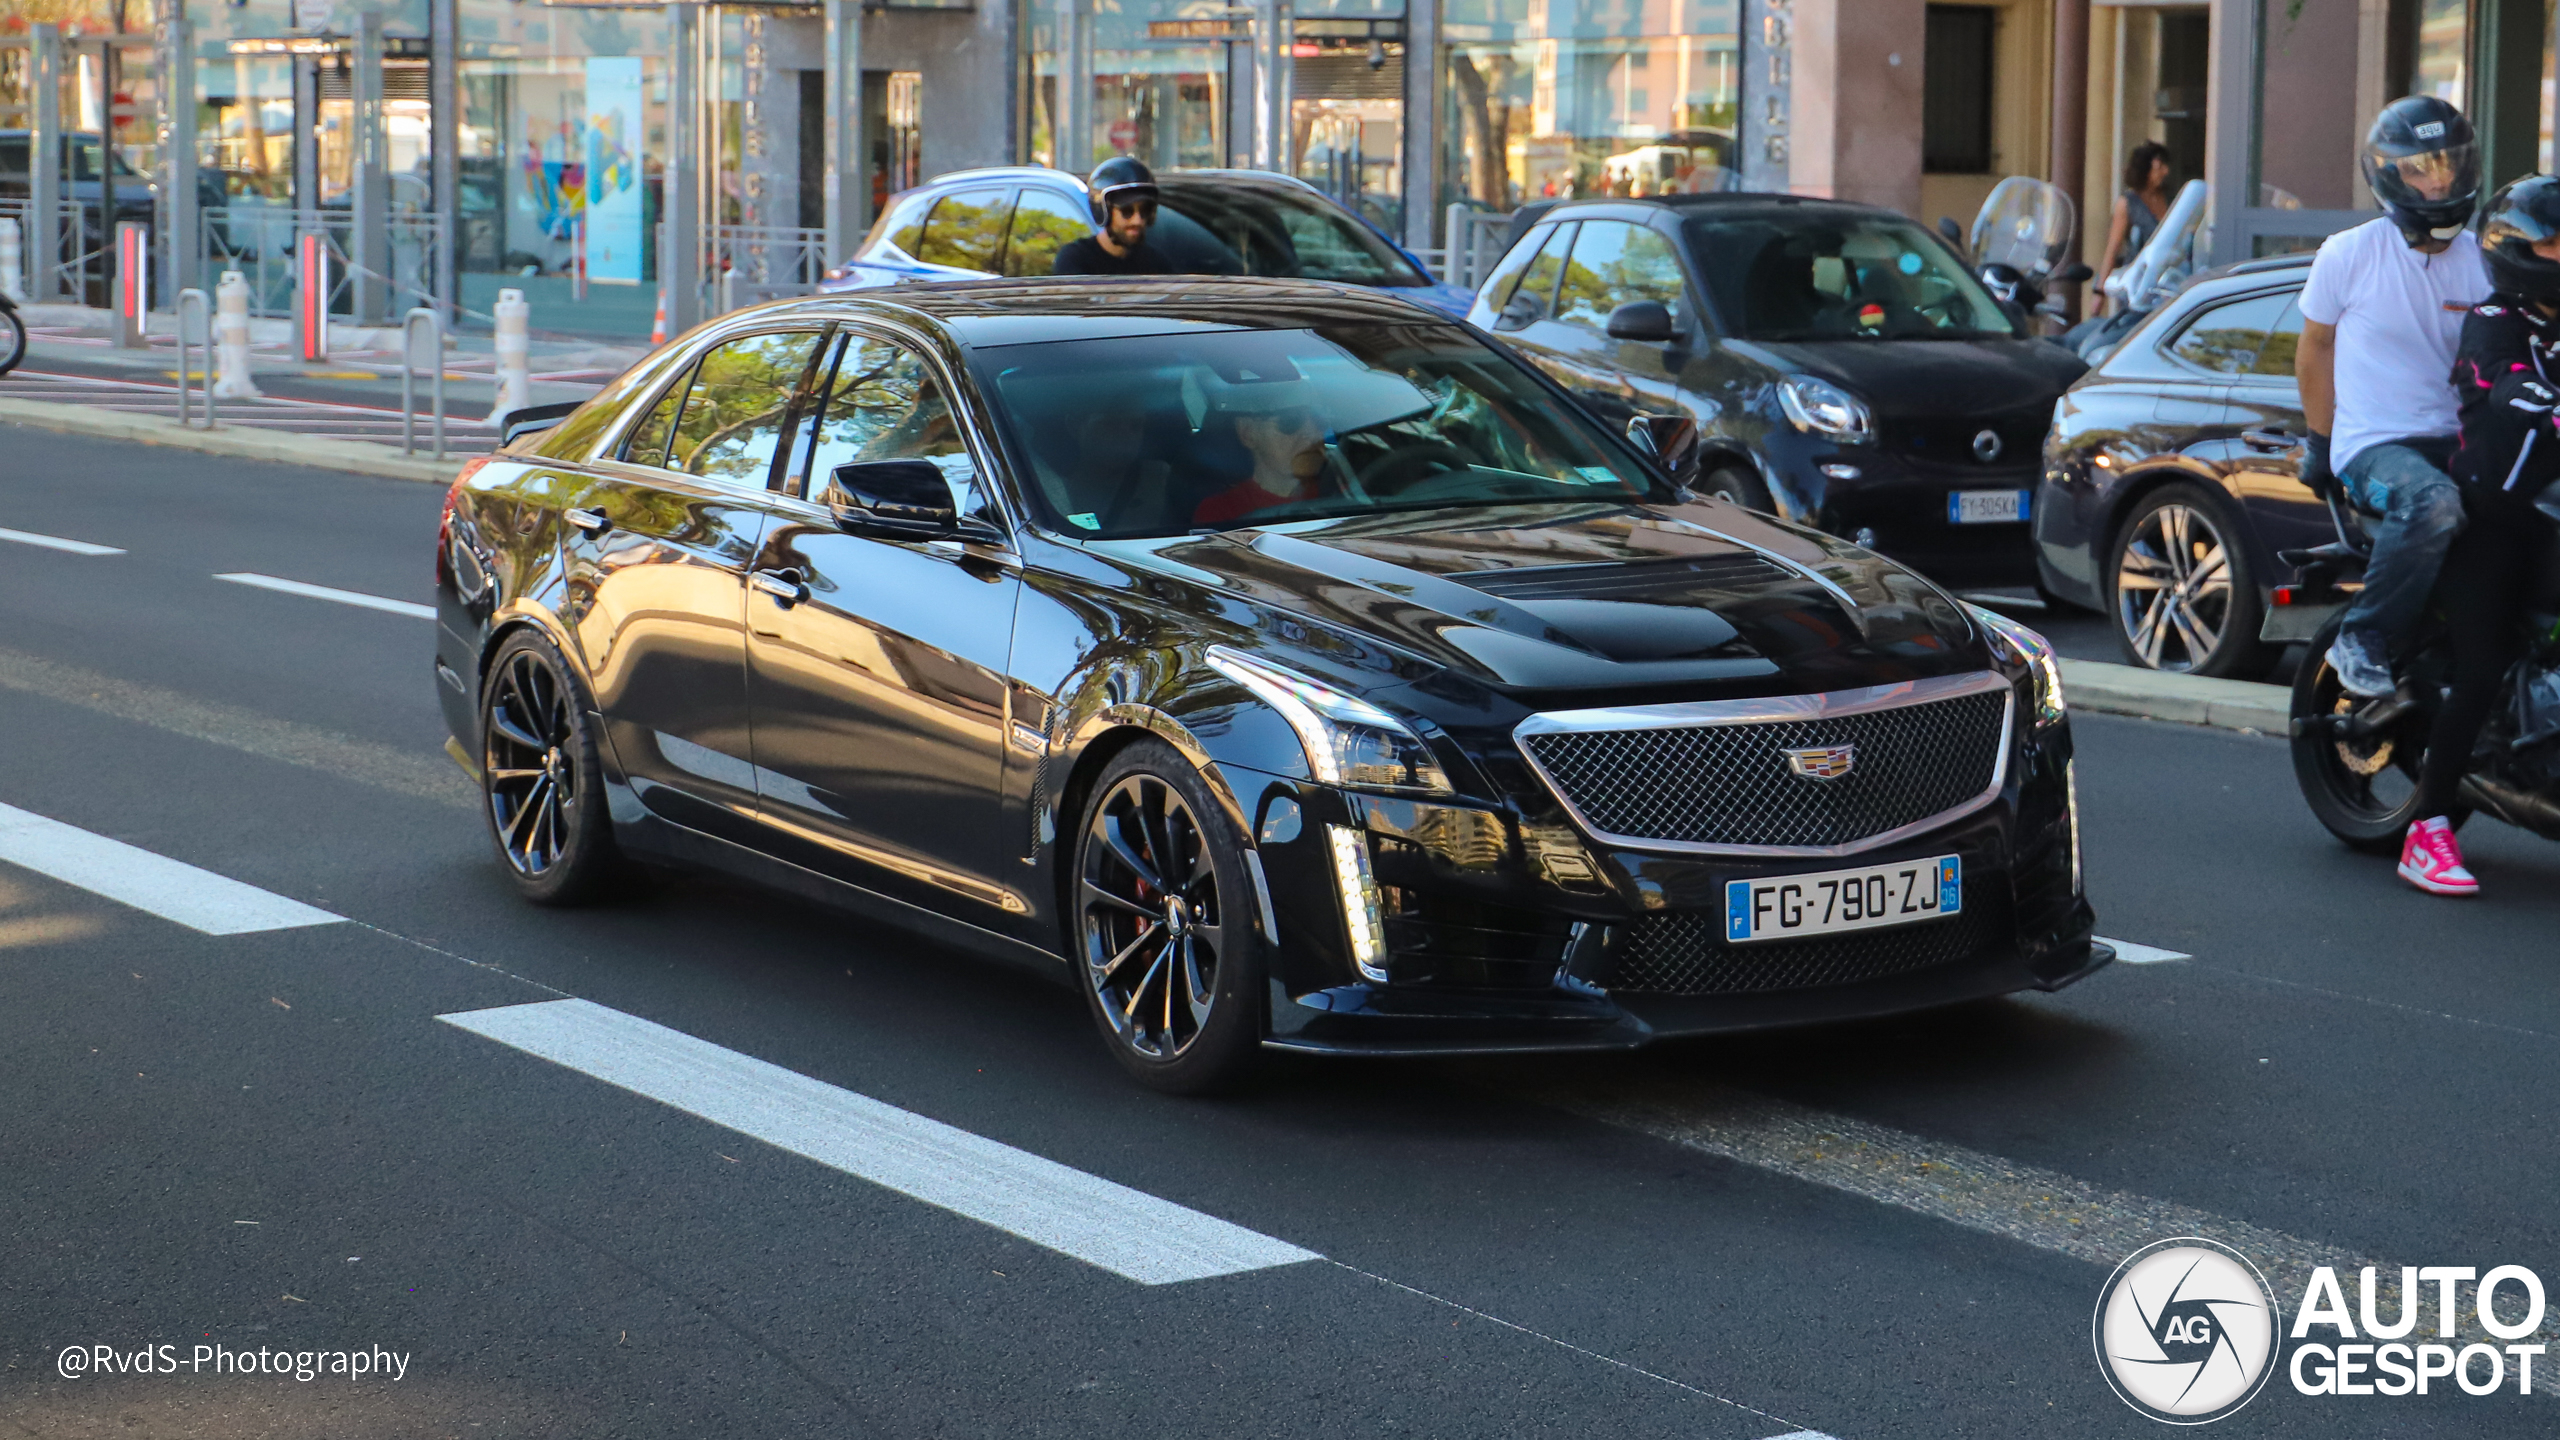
[2180, 588]
[2365, 792]
[1739, 485]
[541, 783]
[1164, 924]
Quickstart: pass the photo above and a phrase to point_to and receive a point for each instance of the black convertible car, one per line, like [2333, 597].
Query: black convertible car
[1281, 664]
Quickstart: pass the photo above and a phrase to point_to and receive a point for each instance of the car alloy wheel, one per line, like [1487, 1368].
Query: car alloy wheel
[1164, 927]
[2183, 602]
[540, 780]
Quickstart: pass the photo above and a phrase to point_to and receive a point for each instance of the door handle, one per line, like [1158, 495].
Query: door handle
[2269, 439]
[594, 522]
[783, 585]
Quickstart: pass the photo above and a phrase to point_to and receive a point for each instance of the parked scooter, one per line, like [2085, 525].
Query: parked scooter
[2357, 760]
[2019, 239]
[2155, 275]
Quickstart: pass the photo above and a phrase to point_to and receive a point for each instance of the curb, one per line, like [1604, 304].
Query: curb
[2187, 699]
[354, 457]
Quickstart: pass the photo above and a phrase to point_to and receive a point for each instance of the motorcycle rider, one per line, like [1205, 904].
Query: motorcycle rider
[1124, 206]
[2382, 313]
[2509, 451]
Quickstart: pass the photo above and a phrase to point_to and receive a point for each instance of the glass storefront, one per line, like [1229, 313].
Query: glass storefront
[1551, 99]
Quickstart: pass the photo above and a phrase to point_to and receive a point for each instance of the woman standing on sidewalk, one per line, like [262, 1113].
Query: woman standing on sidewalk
[2139, 210]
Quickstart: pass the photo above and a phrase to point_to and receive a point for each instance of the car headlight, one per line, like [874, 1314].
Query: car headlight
[1818, 407]
[1348, 740]
[2031, 650]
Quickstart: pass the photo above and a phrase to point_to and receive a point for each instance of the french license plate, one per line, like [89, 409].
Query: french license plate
[1791, 907]
[1986, 507]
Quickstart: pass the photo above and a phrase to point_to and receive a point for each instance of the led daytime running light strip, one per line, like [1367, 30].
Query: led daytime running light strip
[2071, 799]
[1360, 909]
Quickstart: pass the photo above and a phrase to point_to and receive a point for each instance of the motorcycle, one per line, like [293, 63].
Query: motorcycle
[2019, 238]
[2356, 760]
[13, 335]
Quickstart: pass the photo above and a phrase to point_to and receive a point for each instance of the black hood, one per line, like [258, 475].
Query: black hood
[1707, 597]
[1929, 378]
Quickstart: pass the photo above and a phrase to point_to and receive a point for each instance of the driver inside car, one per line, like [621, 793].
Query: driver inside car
[1277, 424]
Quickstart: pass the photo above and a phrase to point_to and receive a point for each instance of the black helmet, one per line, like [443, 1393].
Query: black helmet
[2522, 215]
[1122, 180]
[2421, 163]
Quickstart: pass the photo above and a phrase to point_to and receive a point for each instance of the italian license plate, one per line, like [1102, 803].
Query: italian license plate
[1986, 507]
[1791, 907]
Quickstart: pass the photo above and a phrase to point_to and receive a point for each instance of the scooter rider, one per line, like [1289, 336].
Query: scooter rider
[2382, 313]
[1124, 208]
[2509, 453]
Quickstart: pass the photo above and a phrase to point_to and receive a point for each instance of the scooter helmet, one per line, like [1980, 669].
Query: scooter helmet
[2422, 163]
[1122, 181]
[2520, 216]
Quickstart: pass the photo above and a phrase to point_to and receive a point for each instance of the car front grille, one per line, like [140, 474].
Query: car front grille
[1685, 953]
[1729, 784]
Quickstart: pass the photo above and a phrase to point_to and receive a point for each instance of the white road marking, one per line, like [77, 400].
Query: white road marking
[1125, 1231]
[323, 592]
[1802, 1435]
[129, 875]
[2132, 954]
[56, 542]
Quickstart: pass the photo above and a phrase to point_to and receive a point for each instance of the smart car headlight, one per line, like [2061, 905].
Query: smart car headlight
[2033, 651]
[1818, 407]
[1348, 740]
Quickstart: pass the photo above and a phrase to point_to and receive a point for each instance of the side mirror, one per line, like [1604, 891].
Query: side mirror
[2074, 273]
[893, 497]
[1646, 322]
[1672, 441]
[533, 419]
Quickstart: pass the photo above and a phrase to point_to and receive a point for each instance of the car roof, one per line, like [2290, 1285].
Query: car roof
[1723, 204]
[1040, 308]
[1069, 180]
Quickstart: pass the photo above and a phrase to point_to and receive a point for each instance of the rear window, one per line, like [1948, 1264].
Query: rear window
[1281, 231]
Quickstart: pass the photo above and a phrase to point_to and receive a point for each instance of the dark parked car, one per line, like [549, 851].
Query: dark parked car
[1476, 733]
[1011, 221]
[87, 167]
[2169, 480]
[1845, 366]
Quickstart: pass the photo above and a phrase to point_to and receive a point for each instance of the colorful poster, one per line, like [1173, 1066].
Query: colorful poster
[613, 192]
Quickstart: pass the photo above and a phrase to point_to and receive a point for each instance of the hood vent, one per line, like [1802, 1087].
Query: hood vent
[1646, 580]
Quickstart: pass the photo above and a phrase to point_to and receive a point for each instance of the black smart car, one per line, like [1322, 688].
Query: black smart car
[1843, 364]
[2170, 477]
[1277, 663]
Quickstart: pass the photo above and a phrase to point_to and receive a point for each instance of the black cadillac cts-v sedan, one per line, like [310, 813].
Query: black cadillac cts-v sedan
[1281, 664]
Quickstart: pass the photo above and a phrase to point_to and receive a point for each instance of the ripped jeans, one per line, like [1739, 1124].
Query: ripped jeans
[2420, 509]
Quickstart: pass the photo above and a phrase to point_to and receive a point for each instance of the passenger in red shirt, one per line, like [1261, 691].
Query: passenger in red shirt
[1287, 446]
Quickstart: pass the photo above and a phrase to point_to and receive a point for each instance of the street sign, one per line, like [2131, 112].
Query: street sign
[1200, 29]
[1123, 135]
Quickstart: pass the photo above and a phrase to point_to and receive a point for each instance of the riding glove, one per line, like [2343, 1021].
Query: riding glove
[2315, 466]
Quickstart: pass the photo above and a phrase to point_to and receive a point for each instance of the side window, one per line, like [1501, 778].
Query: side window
[904, 226]
[1505, 280]
[647, 442]
[1535, 298]
[735, 411]
[1044, 222]
[2283, 338]
[883, 403]
[966, 229]
[1615, 263]
[2225, 339]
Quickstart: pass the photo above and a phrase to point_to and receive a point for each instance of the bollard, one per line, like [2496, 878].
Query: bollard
[231, 339]
[409, 375]
[515, 383]
[13, 264]
[311, 294]
[133, 285]
[195, 337]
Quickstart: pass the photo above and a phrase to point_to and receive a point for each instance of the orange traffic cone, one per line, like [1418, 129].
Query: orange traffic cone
[658, 329]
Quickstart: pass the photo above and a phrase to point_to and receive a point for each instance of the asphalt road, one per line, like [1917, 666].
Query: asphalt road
[269, 1139]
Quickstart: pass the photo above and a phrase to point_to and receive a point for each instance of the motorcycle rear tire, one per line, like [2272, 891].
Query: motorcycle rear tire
[2342, 802]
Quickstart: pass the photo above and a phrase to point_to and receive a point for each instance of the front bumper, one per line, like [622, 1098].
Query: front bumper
[1904, 501]
[1512, 932]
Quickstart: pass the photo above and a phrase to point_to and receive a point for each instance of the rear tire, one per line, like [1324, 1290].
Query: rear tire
[2365, 793]
[2181, 591]
[541, 781]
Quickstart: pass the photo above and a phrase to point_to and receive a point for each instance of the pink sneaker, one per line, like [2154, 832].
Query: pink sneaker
[2431, 859]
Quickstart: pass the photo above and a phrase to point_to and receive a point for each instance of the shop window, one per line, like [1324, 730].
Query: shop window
[1955, 106]
[1616, 263]
[966, 230]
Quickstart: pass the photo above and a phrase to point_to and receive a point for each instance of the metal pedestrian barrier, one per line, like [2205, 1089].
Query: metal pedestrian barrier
[195, 336]
[409, 332]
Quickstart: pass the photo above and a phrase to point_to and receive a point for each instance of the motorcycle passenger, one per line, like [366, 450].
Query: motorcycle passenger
[1124, 206]
[2382, 313]
[2509, 451]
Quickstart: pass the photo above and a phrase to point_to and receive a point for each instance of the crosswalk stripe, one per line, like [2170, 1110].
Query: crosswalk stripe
[324, 592]
[2133, 954]
[130, 875]
[56, 542]
[1125, 1231]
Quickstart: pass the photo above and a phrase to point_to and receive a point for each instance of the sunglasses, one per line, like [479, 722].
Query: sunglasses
[1146, 208]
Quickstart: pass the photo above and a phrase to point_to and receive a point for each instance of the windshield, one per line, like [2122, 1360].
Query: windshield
[1276, 230]
[1832, 277]
[1167, 434]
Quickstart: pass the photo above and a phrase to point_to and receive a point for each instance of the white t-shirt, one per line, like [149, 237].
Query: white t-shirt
[2399, 314]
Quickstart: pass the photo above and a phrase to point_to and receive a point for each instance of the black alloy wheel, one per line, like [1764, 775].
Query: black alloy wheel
[1164, 925]
[2180, 590]
[541, 783]
[1739, 485]
[2365, 791]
